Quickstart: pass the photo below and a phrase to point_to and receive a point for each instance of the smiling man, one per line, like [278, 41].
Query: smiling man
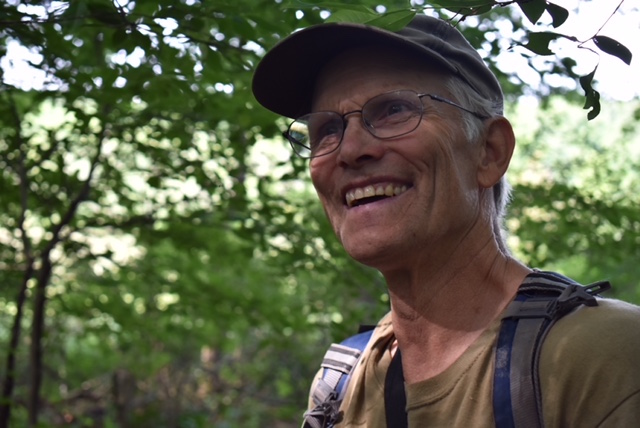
[408, 149]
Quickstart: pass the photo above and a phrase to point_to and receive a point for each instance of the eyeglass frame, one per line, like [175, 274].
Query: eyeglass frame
[420, 96]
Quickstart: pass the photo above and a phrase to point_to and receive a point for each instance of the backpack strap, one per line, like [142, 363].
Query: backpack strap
[543, 298]
[338, 364]
[395, 399]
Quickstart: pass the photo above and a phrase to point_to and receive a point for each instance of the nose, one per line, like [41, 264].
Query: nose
[358, 145]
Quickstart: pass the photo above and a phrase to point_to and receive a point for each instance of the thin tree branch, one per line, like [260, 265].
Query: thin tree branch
[610, 16]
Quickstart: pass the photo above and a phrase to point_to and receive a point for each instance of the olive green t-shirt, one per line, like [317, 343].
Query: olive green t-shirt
[589, 372]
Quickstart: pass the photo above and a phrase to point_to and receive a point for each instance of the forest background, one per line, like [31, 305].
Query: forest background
[163, 260]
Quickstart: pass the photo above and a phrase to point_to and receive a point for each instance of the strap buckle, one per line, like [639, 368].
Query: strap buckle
[575, 295]
[550, 307]
[324, 415]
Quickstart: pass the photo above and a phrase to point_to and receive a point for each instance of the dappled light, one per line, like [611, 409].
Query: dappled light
[164, 260]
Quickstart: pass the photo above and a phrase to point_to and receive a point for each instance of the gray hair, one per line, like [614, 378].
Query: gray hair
[473, 128]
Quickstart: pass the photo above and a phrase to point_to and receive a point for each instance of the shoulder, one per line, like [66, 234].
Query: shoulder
[611, 322]
[595, 334]
[588, 365]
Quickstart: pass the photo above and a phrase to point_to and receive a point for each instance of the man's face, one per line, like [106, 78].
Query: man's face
[431, 172]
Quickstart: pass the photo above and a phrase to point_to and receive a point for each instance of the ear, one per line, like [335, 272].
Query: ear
[497, 143]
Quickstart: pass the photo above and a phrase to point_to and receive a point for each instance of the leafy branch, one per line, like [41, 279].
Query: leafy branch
[537, 42]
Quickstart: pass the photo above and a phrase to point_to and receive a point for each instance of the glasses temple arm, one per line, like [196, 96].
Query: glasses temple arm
[451, 103]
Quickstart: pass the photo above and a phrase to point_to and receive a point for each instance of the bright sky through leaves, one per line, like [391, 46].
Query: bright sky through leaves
[615, 79]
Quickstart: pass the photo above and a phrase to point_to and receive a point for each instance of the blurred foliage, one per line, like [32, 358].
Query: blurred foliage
[576, 187]
[164, 262]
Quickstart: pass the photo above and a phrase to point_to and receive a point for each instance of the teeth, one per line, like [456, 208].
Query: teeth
[358, 194]
[370, 191]
[388, 190]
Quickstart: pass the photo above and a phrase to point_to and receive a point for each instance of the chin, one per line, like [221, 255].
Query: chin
[372, 253]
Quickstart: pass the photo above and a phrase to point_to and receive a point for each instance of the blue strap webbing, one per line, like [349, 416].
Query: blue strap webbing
[503, 408]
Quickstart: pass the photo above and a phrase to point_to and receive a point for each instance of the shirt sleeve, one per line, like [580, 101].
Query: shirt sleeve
[589, 369]
[627, 414]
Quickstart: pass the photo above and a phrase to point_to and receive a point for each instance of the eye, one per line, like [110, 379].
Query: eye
[325, 130]
[398, 107]
[391, 111]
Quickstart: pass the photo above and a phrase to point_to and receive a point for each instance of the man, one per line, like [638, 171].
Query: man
[407, 150]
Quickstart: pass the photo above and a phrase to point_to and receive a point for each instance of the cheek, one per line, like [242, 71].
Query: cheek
[320, 175]
[322, 179]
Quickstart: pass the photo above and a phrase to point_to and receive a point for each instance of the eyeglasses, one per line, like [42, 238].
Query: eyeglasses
[385, 116]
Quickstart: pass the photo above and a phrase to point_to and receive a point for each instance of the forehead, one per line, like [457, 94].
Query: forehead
[361, 73]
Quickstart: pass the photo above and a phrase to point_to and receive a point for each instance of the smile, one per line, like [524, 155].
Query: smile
[372, 193]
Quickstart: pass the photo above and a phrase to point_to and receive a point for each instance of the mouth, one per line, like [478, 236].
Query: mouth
[373, 193]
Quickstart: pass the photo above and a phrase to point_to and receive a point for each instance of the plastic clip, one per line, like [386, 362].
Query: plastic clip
[597, 288]
[575, 295]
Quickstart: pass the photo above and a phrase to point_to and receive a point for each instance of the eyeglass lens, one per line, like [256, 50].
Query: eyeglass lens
[384, 116]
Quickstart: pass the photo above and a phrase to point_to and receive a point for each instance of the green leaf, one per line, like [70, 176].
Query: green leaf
[119, 36]
[533, 9]
[478, 10]
[539, 42]
[330, 5]
[456, 5]
[393, 21]
[75, 13]
[569, 64]
[613, 47]
[105, 14]
[558, 13]
[592, 96]
[352, 16]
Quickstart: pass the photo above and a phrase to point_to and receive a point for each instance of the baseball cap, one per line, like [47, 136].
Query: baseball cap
[285, 78]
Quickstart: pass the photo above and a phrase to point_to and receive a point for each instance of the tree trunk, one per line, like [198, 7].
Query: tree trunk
[9, 378]
[37, 332]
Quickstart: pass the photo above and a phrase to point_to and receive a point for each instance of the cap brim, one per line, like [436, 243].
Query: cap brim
[285, 78]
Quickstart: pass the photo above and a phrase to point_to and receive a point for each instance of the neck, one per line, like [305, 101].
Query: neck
[439, 309]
